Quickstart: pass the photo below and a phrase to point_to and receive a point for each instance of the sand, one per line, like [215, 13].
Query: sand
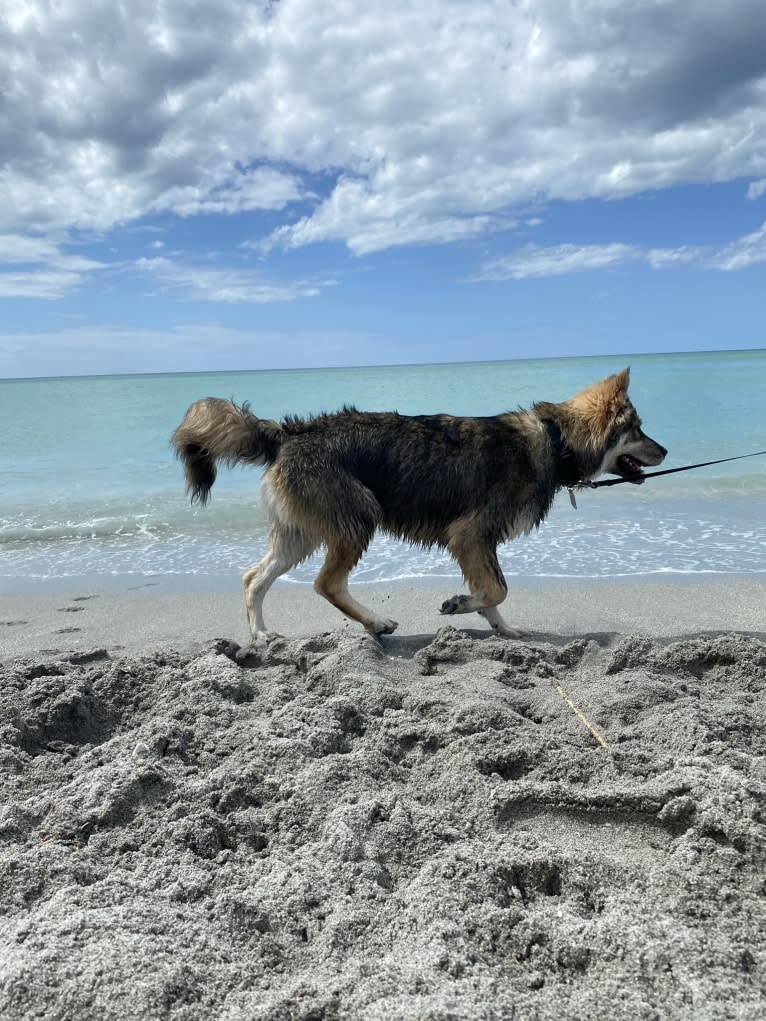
[442, 825]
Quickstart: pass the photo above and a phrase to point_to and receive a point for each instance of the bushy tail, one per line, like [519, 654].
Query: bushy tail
[216, 430]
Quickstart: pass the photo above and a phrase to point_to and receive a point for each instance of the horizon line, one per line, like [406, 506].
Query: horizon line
[376, 365]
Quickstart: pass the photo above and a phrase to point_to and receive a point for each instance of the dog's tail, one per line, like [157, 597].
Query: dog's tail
[215, 430]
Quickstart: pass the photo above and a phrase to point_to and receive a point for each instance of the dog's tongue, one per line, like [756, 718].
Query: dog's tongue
[632, 467]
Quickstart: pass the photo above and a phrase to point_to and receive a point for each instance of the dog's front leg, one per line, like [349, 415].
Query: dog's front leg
[481, 570]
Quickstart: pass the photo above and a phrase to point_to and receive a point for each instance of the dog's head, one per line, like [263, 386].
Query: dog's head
[608, 427]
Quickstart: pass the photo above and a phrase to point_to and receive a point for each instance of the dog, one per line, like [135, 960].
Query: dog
[462, 484]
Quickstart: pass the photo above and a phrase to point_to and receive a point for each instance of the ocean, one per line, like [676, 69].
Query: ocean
[92, 494]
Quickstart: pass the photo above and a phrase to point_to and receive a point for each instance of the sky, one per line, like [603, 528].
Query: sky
[191, 185]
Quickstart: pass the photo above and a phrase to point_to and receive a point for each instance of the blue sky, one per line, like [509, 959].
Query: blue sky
[211, 185]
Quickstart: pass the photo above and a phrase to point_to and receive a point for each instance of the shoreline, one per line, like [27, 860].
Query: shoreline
[145, 617]
[230, 581]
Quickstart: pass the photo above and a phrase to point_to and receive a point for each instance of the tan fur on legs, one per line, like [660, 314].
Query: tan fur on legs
[287, 547]
[332, 583]
[477, 557]
[481, 570]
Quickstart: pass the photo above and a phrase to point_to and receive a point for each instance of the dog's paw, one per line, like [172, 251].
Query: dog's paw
[509, 632]
[383, 626]
[455, 604]
[263, 638]
[499, 626]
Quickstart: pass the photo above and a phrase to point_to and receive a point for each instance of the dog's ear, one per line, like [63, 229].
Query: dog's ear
[623, 379]
[603, 401]
[614, 389]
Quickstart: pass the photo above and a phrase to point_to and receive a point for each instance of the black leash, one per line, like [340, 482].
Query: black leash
[665, 471]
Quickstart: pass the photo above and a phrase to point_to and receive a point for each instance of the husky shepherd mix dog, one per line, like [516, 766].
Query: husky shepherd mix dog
[464, 484]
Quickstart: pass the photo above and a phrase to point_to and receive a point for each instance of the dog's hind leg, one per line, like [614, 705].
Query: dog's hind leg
[332, 583]
[481, 570]
[287, 547]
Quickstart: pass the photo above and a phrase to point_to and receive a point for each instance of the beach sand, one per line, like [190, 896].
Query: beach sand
[441, 825]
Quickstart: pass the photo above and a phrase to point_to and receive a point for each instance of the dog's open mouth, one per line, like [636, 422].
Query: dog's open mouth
[630, 468]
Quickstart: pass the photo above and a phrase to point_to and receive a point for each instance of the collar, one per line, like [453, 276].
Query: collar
[567, 470]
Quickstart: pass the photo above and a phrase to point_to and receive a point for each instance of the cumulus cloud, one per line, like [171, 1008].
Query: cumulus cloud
[554, 260]
[372, 124]
[756, 189]
[366, 223]
[259, 188]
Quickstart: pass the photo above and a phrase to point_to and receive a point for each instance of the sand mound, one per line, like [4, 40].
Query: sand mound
[326, 829]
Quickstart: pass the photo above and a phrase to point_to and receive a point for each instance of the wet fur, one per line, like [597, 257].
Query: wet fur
[464, 484]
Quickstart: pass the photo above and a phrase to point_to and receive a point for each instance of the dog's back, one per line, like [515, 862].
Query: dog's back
[412, 476]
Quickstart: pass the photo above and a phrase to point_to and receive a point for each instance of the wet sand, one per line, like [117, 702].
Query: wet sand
[133, 617]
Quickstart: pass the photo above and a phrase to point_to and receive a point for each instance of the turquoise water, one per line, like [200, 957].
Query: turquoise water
[90, 488]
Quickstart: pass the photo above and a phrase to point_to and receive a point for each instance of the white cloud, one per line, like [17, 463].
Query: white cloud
[417, 122]
[230, 286]
[48, 272]
[46, 284]
[554, 260]
[756, 189]
[261, 188]
[540, 261]
[15, 248]
[669, 258]
[745, 251]
[367, 222]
